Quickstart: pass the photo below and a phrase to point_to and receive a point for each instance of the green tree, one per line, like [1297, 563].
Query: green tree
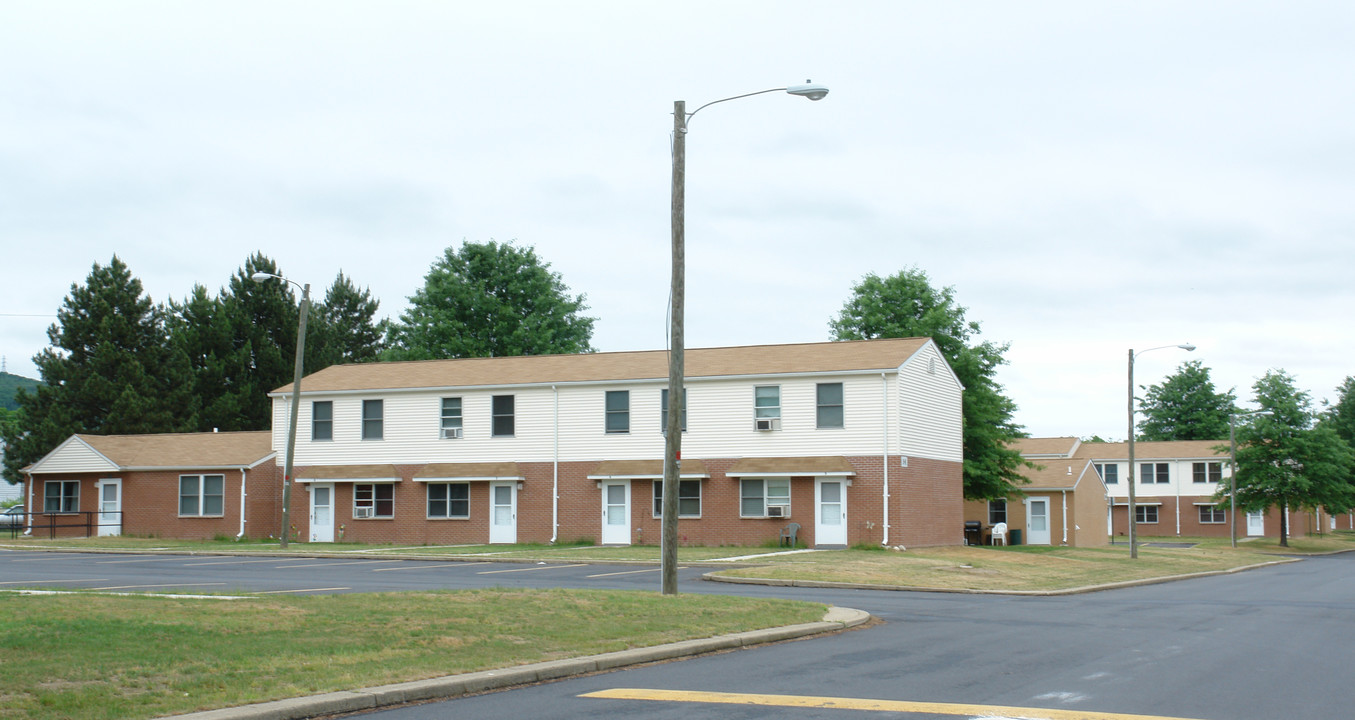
[202, 329]
[343, 328]
[1284, 461]
[110, 370]
[489, 300]
[1340, 416]
[906, 305]
[1186, 406]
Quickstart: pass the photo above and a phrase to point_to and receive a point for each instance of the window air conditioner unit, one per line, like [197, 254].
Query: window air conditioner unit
[765, 424]
[778, 511]
[363, 512]
[451, 433]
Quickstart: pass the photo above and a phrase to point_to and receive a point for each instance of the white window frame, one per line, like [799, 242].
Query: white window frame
[67, 504]
[1212, 470]
[448, 420]
[620, 413]
[200, 495]
[372, 501]
[496, 415]
[766, 411]
[994, 510]
[1161, 473]
[683, 486]
[378, 421]
[1101, 469]
[761, 492]
[317, 422]
[820, 406]
[447, 499]
[1214, 512]
[1142, 512]
[663, 411]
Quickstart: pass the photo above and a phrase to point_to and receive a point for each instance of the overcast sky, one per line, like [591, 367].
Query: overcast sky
[1089, 176]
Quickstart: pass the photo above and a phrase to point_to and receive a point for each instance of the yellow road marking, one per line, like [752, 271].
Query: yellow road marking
[806, 701]
[527, 569]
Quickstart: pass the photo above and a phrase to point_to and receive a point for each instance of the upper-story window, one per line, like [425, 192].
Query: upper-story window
[1154, 473]
[61, 496]
[829, 400]
[1109, 472]
[451, 418]
[373, 419]
[618, 411]
[322, 420]
[1208, 471]
[502, 410]
[663, 410]
[766, 407]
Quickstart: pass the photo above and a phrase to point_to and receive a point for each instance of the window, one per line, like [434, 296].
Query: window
[373, 500]
[372, 419]
[756, 494]
[830, 405]
[663, 410]
[322, 420]
[689, 498]
[202, 495]
[1153, 472]
[61, 496]
[1109, 472]
[997, 511]
[1209, 471]
[451, 418]
[618, 411]
[766, 407]
[1145, 514]
[503, 415]
[1212, 514]
[449, 500]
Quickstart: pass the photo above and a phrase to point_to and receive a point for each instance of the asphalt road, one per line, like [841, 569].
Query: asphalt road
[1268, 644]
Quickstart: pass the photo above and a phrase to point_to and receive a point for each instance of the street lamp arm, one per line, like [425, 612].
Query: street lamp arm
[809, 90]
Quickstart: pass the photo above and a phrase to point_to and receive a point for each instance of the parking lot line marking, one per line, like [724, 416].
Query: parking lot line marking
[300, 590]
[837, 703]
[411, 567]
[340, 562]
[242, 562]
[629, 572]
[138, 560]
[36, 582]
[534, 567]
[128, 587]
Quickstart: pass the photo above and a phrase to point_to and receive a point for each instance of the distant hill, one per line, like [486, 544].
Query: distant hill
[9, 386]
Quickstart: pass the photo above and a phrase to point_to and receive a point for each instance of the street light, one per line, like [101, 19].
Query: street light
[296, 397]
[1232, 479]
[672, 455]
[1133, 521]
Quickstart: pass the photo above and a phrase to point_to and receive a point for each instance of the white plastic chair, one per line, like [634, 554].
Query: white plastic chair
[1000, 533]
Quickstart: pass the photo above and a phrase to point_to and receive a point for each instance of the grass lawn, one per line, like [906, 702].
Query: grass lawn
[91, 656]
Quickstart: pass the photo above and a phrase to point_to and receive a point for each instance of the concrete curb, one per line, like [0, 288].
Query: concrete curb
[835, 620]
[774, 582]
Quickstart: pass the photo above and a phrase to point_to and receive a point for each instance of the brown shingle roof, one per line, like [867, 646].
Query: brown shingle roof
[645, 469]
[1057, 474]
[791, 466]
[183, 450]
[1154, 450]
[1044, 446]
[885, 354]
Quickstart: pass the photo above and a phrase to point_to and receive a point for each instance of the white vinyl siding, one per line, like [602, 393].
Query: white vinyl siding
[74, 455]
[929, 419]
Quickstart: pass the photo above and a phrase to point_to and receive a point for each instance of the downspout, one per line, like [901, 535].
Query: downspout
[29, 516]
[1065, 516]
[884, 386]
[243, 476]
[1178, 504]
[555, 475]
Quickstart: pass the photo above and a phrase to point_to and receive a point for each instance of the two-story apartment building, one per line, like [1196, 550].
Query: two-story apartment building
[858, 442]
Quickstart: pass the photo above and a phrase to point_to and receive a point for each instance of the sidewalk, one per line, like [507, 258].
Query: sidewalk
[837, 619]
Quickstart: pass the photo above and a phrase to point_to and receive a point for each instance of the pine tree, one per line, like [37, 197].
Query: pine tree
[110, 370]
[344, 327]
[1186, 407]
[489, 300]
[906, 305]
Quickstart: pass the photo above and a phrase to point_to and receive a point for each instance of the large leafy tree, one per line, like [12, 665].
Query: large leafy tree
[488, 300]
[1284, 461]
[110, 370]
[906, 305]
[1340, 415]
[1186, 406]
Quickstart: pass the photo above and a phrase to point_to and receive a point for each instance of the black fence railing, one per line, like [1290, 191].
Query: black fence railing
[49, 524]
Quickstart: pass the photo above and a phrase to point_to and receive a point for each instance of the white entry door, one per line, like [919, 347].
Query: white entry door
[1037, 521]
[616, 513]
[503, 512]
[110, 506]
[1256, 524]
[322, 512]
[830, 512]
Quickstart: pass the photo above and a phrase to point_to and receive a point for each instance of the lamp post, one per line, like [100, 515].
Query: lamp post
[1133, 521]
[672, 455]
[296, 398]
[1232, 477]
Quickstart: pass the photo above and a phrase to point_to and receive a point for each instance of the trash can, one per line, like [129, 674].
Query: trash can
[1015, 534]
